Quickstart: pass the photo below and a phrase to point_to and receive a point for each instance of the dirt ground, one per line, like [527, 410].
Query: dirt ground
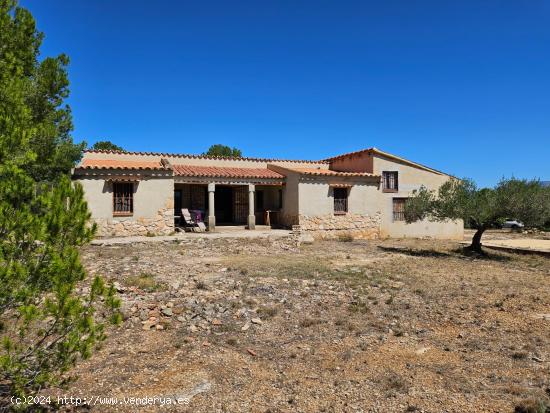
[508, 234]
[511, 240]
[335, 326]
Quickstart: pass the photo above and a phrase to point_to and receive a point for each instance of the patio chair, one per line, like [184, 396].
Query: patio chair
[190, 223]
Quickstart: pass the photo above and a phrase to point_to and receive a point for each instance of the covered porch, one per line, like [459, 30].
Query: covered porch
[229, 204]
[221, 196]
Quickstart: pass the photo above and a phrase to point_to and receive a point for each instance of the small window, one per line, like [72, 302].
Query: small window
[123, 198]
[340, 200]
[390, 181]
[399, 209]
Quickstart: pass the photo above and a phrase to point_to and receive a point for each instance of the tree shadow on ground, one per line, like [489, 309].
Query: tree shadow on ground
[416, 252]
[455, 253]
[466, 252]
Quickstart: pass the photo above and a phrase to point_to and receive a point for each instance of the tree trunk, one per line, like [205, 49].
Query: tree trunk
[476, 240]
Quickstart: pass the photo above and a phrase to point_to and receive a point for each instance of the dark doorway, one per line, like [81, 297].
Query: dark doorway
[224, 204]
[260, 201]
[240, 204]
[177, 202]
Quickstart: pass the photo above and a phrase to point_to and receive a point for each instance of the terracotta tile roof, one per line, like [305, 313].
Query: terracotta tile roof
[224, 172]
[350, 154]
[328, 172]
[191, 156]
[119, 164]
[387, 155]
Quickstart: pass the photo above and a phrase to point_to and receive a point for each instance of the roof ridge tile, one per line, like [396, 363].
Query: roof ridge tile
[193, 156]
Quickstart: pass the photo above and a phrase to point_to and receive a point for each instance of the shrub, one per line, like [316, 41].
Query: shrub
[532, 406]
[145, 282]
[345, 237]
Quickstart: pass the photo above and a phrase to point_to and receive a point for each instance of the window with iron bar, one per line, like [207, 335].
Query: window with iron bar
[390, 181]
[123, 198]
[340, 200]
[399, 209]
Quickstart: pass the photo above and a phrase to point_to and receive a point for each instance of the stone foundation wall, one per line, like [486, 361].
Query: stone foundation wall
[161, 224]
[333, 226]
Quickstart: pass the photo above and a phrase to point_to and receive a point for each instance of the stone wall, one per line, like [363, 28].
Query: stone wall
[332, 226]
[161, 224]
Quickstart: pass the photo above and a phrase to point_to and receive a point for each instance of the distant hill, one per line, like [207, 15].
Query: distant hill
[545, 183]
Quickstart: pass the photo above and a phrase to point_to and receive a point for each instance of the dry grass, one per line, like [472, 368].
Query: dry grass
[145, 282]
[267, 311]
[532, 406]
[397, 325]
[279, 266]
[307, 267]
[345, 237]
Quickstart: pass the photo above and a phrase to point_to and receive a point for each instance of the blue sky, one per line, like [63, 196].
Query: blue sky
[462, 86]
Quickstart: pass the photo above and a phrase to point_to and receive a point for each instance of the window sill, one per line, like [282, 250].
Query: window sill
[390, 190]
[340, 213]
[123, 214]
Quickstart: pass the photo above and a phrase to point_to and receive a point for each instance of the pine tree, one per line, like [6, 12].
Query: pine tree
[223, 151]
[106, 146]
[48, 308]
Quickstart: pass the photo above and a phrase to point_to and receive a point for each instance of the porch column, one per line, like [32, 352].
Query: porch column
[251, 216]
[211, 209]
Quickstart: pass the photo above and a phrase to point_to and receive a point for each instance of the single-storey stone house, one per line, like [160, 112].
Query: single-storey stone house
[362, 193]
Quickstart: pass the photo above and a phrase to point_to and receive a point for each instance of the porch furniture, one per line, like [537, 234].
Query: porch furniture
[190, 223]
[197, 215]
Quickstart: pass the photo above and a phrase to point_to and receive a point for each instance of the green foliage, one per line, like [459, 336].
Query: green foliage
[455, 199]
[46, 312]
[223, 151]
[106, 146]
[31, 97]
[527, 201]
[49, 314]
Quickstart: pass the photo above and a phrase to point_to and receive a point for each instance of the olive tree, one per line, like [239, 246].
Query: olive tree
[481, 208]
[526, 200]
